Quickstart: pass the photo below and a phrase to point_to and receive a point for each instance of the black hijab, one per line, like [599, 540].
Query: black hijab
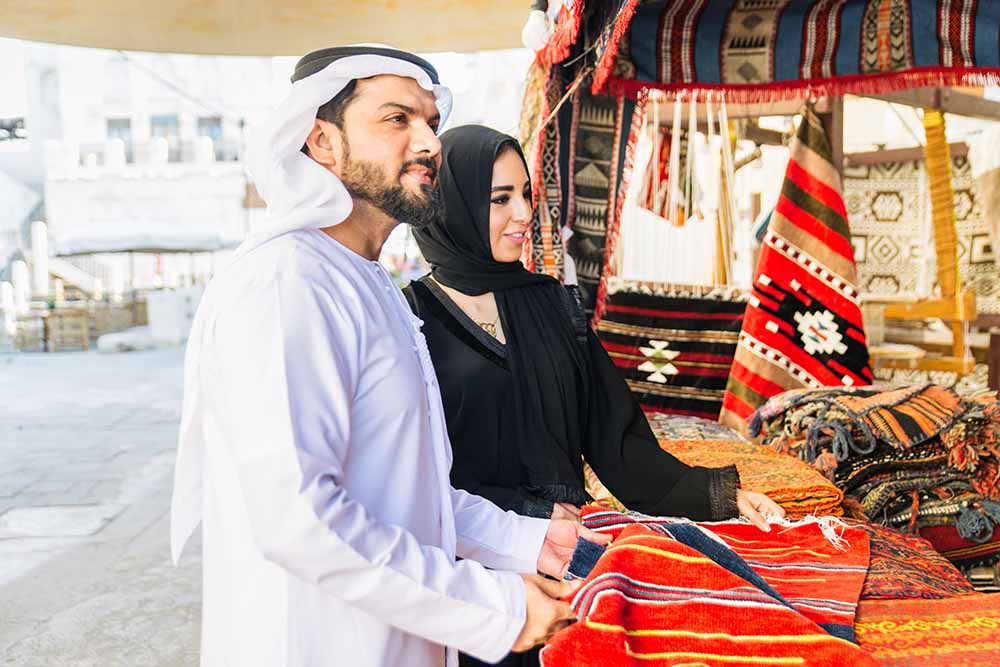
[546, 361]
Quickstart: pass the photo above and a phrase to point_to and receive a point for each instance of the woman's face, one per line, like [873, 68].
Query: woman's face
[510, 207]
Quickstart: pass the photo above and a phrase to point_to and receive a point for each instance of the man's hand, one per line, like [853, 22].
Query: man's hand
[565, 511]
[756, 507]
[560, 543]
[546, 613]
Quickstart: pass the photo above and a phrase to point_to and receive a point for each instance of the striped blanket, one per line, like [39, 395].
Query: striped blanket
[676, 593]
[803, 325]
[674, 351]
[758, 50]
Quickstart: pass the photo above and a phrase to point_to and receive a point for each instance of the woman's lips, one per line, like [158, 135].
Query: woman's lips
[517, 237]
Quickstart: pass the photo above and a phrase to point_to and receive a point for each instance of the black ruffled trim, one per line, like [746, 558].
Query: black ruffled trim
[722, 486]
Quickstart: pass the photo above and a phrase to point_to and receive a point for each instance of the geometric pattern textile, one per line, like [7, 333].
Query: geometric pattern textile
[758, 50]
[665, 593]
[680, 427]
[803, 325]
[962, 630]
[889, 213]
[674, 351]
[592, 164]
[906, 566]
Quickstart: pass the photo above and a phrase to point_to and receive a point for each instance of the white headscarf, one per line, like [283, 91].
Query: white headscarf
[300, 194]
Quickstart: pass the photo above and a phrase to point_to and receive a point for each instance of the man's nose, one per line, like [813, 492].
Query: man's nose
[424, 140]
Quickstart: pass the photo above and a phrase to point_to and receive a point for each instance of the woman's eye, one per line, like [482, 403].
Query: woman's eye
[501, 200]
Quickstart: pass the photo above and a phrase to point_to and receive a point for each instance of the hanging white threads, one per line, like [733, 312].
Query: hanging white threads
[831, 527]
[649, 201]
[729, 178]
[689, 166]
[674, 174]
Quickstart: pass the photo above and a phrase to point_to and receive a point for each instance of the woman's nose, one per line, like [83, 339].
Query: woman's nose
[522, 212]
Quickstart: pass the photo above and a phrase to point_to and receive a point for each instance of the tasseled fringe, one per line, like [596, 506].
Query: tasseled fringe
[558, 47]
[977, 520]
[832, 528]
[606, 64]
[801, 89]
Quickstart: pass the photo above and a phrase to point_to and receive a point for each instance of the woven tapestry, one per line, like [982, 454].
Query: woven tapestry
[598, 133]
[931, 633]
[759, 50]
[668, 593]
[675, 352]
[906, 567]
[803, 325]
[546, 249]
[890, 217]
[796, 486]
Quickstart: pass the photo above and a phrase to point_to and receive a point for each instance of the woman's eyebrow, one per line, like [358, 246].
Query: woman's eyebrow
[502, 188]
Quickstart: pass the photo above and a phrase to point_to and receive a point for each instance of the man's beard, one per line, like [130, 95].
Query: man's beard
[367, 181]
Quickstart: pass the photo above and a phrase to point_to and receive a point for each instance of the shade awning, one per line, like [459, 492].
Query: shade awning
[138, 237]
[268, 27]
[762, 51]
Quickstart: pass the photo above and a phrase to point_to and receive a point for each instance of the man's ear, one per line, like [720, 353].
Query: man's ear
[325, 144]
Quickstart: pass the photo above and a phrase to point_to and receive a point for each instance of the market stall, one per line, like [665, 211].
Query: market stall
[639, 116]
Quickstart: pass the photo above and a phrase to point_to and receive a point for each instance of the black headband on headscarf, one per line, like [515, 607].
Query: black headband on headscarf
[546, 362]
[313, 62]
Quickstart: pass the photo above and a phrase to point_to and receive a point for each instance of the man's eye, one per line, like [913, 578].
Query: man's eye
[399, 118]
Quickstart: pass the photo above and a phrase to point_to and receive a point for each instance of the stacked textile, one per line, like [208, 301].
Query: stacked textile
[906, 567]
[791, 483]
[920, 458]
[672, 593]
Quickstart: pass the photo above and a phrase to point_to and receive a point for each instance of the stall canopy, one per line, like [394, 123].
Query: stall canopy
[268, 27]
[760, 51]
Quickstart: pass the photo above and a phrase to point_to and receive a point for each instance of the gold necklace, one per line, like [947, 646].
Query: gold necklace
[490, 327]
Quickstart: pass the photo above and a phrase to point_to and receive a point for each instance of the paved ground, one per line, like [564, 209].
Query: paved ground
[86, 460]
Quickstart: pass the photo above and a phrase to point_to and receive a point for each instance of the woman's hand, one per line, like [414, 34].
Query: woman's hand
[566, 511]
[560, 543]
[757, 507]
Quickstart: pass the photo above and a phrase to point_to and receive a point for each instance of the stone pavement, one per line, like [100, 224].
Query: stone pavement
[86, 459]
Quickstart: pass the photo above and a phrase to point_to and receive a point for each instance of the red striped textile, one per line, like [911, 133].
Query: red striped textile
[653, 600]
[674, 351]
[802, 326]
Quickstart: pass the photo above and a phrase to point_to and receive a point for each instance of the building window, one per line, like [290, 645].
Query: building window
[211, 127]
[167, 126]
[121, 128]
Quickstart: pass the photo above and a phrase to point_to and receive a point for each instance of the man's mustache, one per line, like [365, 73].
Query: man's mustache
[423, 162]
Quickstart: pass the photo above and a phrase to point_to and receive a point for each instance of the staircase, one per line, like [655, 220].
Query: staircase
[81, 272]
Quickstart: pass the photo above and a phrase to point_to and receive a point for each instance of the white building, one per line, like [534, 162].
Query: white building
[158, 109]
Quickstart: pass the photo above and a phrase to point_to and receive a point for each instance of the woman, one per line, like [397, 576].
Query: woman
[528, 390]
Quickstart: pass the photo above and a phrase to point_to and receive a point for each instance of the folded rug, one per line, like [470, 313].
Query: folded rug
[676, 593]
[906, 567]
[795, 485]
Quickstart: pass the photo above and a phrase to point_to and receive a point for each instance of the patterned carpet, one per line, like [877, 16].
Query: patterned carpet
[889, 213]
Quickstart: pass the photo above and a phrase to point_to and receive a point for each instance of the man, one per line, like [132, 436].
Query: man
[313, 444]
